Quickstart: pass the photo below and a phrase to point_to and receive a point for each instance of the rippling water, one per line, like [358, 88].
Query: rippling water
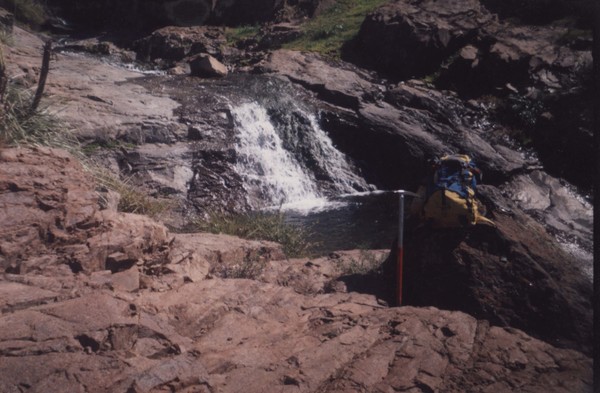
[367, 220]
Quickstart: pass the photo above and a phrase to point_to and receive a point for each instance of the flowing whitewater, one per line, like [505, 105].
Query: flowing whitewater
[286, 159]
[270, 172]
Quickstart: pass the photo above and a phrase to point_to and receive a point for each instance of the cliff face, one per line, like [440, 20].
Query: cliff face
[540, 75]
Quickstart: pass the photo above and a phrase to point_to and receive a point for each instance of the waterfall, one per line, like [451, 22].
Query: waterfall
[286, 158]
[270, 172]
[334, 162]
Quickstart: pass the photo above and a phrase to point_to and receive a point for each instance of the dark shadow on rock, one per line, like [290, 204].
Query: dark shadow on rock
[513, 275]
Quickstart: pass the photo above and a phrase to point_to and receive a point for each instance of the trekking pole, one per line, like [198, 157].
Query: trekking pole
[400, 257]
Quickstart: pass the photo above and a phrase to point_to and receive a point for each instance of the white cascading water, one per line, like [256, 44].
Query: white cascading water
[334, 161]
[267, 168]
[273, 174]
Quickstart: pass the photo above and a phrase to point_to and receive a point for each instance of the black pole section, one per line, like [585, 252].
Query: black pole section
[43, 75]
[596, 174]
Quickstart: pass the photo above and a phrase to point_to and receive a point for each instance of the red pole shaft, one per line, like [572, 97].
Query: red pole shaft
[400, 275]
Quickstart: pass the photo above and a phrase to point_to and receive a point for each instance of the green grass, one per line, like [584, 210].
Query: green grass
[260, 226]
[329, 31]
[241, 33]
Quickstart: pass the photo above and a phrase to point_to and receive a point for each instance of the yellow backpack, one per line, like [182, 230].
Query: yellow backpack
[450, 197]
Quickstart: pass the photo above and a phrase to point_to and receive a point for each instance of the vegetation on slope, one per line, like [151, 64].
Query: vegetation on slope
[326, 33]
[29, 12]
[329, 31]
[24, 122]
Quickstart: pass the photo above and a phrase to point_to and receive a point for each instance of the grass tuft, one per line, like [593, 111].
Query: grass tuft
[235, 35]
[260, 226]
[132, 199]
[19, 125]
[29, 12]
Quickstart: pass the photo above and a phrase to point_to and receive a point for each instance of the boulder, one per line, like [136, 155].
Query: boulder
[409, 38]
[512, 274]
[53, 219]
[541, 12]
[146, 15]
[541, 70]
[527, 57]
[176, 43]
[245, 12]
[206, 66]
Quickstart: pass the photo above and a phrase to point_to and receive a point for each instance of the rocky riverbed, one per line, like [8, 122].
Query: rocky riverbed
[99, 300]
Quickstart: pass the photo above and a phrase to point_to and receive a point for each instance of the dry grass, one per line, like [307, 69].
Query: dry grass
[368, 261]
[132, 198]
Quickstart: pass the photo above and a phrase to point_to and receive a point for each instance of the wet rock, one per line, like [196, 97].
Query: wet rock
[555, 204]
[101, 104]
[207, 66]
[401, 126]
[339, 86]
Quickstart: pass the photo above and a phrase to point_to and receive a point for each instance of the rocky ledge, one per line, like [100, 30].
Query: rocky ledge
[116, 303]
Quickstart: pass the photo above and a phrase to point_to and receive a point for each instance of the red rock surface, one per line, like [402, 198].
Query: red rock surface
[166, 323]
